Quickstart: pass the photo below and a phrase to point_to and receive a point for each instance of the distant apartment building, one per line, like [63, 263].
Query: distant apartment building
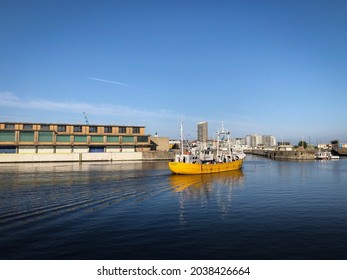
[239, 143]
[71, 138]
[248, 141]
[257, 140]
[263, 141]
[268, 141]
[202, 129]
[253, 140]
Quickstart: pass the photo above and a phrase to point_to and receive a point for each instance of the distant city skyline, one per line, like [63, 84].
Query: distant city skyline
[260, 67]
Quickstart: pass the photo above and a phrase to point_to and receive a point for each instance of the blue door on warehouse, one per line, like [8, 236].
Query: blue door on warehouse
[8, 150]
[97, 149]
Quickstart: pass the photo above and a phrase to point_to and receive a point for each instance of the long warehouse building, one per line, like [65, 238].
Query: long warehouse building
[71, 138]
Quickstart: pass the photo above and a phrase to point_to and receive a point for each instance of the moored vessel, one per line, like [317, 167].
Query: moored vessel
[325, 156]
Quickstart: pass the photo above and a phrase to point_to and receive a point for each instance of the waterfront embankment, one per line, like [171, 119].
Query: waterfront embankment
[83, 157]
[284, 155]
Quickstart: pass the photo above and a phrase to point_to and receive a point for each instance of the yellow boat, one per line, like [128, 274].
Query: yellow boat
[204, 168]
[208, 160]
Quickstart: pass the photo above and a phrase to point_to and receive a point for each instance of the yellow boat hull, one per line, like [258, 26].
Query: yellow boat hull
[195, 168]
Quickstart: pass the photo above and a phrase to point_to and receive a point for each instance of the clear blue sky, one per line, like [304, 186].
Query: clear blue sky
[265, 67]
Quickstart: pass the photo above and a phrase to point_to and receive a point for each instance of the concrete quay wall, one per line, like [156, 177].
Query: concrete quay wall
[157, 155]
[284, 155]
[82, 157]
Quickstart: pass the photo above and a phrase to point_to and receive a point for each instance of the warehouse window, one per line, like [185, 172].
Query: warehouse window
[143, 139]
[77, 128]
[97, 139]
[113, 139]
[61, 128]
[122, 129]
[108, 129]
[9, 126]
[7, 136]
[45, 136]
[26, 136]
[80, 138]
[44, 127]
[128, 139]
[27, 126]
[136, 130]
[93, 129]
[63, 138]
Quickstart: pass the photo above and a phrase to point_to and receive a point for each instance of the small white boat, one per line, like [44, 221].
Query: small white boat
[334, 157]
[325, 156]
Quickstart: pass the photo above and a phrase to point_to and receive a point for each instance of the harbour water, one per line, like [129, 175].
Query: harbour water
[269, 210]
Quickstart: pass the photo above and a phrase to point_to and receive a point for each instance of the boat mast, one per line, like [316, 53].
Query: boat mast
[228, 142]
[218, 139]
[181, 130]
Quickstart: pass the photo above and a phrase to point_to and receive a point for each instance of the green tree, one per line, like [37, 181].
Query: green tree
[302, 144]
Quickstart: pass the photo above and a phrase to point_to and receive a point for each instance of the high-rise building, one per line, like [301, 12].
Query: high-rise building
[256, 140]
[268, 141]
[248, 140]
[202, 131]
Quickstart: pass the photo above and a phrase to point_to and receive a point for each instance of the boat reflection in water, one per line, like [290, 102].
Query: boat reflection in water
[204, 188]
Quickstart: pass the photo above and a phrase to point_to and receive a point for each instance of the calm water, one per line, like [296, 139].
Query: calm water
[269, 210]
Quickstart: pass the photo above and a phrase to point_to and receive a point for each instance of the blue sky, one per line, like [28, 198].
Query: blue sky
[265, 67]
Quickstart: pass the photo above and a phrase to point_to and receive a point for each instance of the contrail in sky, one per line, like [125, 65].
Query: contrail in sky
[120, 84]
[108, 81]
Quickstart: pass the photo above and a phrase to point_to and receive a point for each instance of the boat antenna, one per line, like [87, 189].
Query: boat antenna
[181, 131]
